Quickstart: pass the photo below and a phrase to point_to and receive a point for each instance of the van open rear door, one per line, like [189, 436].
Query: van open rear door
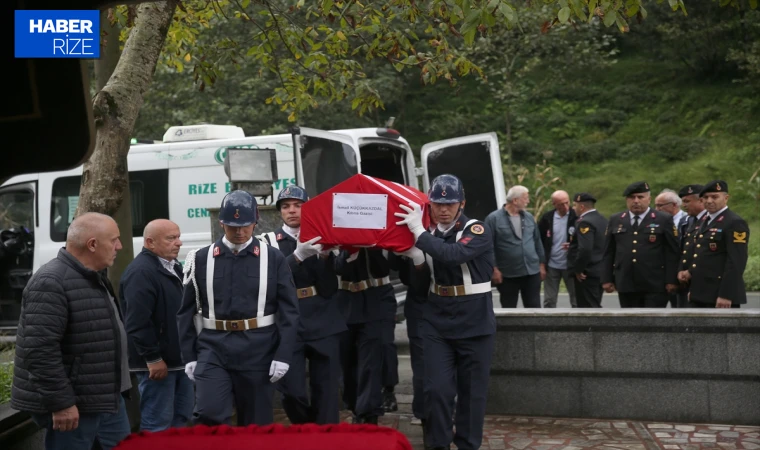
[477, 162]
[323, 159]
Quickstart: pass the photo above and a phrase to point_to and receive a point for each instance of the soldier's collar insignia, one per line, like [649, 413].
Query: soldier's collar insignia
[217, 250]
[279, 236]
[653, 215]
[256, 250]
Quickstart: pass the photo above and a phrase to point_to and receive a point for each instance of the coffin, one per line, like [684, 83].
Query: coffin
[271, 437]
[359, 212]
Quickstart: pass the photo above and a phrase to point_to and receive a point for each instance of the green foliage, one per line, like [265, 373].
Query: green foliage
[752, 274]
[6, 374]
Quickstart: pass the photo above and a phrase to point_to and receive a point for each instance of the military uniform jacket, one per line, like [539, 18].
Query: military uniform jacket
[236, 287]
[718, 260]
[586, 251]
[319, 316]
[374, 303]
[688, 243]
[417, 285]
[644, 259]
[468, 315]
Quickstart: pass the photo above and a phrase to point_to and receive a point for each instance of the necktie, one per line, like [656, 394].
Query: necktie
[636, 222]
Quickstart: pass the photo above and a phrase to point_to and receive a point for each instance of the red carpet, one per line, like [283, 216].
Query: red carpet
[271, 437]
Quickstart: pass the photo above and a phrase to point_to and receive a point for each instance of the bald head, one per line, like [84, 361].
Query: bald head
[84, 228]
[561, 202]
[161, 236]
[93, 239]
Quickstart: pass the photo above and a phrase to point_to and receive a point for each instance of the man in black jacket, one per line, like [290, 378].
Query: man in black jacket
[584, 259]
[71, 367]
[151, 294]
[555, 228]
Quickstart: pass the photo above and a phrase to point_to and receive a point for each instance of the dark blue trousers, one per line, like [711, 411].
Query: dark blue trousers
[324, 373]
[455, 367]
[390, 354]
[418, 367]
[362, 368]
[217, 389]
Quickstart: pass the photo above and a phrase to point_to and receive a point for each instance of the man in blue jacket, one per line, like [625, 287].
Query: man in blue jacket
[151, 294]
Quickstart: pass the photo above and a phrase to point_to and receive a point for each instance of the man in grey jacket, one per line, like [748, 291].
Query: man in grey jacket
[520, 259]
[71, 365]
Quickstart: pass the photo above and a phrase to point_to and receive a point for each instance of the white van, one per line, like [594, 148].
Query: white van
[184, 175]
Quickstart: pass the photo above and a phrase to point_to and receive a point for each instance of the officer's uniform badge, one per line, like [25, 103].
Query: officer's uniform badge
[256, 251]
[216, 251]
[584, 230]
[477, 229]
[740, 237]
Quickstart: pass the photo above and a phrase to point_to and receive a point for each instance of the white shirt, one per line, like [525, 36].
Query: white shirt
[292, 232]
[677, 217]
[558, 256]
[641, 216]
[169, 265]
[236, 247]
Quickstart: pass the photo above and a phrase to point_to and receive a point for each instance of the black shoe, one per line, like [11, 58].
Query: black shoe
[366, 419]
[389, 401]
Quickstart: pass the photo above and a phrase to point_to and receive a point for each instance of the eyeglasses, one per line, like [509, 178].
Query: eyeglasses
[660, 205]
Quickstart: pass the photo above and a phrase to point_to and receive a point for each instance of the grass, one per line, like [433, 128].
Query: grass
[6, 374]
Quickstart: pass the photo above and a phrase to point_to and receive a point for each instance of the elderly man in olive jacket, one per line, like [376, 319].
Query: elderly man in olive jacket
[71, 365]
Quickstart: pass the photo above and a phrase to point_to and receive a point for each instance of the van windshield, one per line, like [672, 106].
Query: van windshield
[326, 163]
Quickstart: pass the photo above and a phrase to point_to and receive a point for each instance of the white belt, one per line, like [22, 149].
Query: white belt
[458, 291]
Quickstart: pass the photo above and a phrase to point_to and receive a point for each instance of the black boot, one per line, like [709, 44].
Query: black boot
[389, 400]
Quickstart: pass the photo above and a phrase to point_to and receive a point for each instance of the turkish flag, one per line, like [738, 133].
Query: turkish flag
[270, 437]
[359, 212]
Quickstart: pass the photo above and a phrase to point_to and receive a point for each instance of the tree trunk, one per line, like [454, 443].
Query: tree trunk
[508, 122]
[105, 176]
[104, 67]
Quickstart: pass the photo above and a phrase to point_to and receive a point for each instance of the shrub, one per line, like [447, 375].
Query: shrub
[608, 119]
[677, 148]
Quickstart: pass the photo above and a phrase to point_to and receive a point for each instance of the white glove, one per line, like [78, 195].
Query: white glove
[353, 256]
[278, 370]
[190, 369]
[414, 254]
[307, 249]
[413, 219]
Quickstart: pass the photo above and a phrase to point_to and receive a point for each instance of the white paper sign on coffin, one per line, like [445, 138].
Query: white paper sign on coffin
[367, 211]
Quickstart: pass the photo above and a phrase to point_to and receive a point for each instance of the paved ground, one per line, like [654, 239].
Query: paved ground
[545, 433]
